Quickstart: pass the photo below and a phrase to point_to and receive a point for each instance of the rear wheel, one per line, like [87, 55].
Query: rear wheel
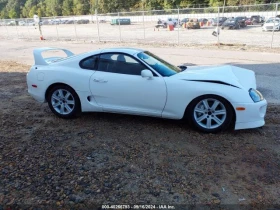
[64, 101]
[210, 113]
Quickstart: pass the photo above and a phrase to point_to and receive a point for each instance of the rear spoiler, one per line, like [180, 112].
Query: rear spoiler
[39, 60]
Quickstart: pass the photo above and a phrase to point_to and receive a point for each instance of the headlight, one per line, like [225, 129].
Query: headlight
[255, 95]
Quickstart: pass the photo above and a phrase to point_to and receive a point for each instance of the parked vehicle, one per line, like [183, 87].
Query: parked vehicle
[270, 24]
[70, 22]
[63, 21]
[45, 22]
[54, 22]
[241, 20]
[135, 81]
[193, 24]
[170, 21]
[256, 19]
[21, 23]
[161, 24]
[184, 20]
[83, 21]
[234, 23]
[121, 21]
[219, 22]
[248, 21]
[211, 20]
[203, 20]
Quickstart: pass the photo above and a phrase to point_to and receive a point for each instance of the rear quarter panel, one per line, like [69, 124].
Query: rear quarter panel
[70, 74]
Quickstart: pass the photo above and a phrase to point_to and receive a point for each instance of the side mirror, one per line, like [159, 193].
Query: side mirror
[147, 74]
[183, 68]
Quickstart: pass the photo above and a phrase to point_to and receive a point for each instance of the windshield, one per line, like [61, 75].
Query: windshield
[220, 19]
[230, 21]
[271, 21]
[162, 67]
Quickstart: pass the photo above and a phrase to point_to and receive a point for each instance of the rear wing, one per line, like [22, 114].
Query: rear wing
[39, 60]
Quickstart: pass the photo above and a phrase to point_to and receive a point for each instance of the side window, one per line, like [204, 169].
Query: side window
[120, 63]
[89, 62]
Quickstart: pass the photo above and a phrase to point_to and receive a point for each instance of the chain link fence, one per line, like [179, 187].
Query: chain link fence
[256, 26]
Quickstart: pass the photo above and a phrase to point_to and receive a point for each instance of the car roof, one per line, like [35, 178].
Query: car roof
[131, 51]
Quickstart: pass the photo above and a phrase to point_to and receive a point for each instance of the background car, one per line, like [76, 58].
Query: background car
[134, 81]
[257, 19]
[63, 21]
[248, 21]
[234, 23]
[193, 24]
[45, 22]
[83, 21]
[69, 22]
[171, 21]
[218, 22]
[21, 23]
[11, 23]
[203, 20]
[241, 20]
[270, 24]
[184, 20]
[121, 21]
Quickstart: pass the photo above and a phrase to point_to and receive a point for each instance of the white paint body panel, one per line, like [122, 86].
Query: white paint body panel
[131, 94]
[165, 97]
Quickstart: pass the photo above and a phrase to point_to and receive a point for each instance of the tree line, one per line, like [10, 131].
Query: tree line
[47, 8]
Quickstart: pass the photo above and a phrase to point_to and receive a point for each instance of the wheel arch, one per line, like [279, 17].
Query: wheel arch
[77, 108]
[56, 84]
[211, 95]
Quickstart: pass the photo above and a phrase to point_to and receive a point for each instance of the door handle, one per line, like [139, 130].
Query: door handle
[96, 80]
[100, 80]
[103, 81]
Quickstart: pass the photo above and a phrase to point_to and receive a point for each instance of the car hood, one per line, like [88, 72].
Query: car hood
[227, 75]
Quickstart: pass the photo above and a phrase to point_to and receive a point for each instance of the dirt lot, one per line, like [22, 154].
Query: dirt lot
[118, 159]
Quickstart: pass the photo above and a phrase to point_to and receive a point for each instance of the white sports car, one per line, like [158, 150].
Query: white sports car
[134, 81]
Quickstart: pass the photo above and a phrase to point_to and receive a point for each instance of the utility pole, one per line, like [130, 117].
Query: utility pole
[224, 7]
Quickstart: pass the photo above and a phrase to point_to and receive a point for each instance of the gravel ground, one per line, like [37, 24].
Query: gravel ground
[118, 159]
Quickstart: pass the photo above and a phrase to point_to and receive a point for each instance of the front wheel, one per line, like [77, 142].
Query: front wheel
[64, 101]
[210, 113]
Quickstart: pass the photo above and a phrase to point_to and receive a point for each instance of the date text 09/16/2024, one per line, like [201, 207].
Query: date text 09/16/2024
[138, 207]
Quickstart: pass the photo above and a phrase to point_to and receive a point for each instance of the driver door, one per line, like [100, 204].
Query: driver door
[118, 86]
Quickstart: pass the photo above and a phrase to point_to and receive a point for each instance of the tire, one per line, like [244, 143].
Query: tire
[210, 114]
[64, 101]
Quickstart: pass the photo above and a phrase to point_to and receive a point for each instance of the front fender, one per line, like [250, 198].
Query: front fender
[181, 93]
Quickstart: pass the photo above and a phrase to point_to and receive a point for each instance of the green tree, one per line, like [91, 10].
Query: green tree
[14, 8]
[33, 11]
[67, 7]
[41, 11]
[81, 7]
[4, 13]
[53, 7]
